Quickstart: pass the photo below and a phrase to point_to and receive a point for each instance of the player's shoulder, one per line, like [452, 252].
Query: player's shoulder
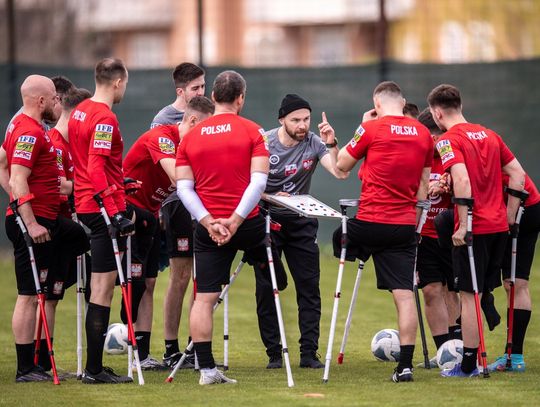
[166, 116]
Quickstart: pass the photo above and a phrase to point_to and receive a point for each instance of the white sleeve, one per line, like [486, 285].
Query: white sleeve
[185, 189]
[252, 194]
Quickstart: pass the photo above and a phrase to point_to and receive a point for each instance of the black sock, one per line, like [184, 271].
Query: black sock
[25, 357]
[454, 332]
[44, 359]
[204, 355]
[171, 347]
[97, 322]
[192, 351]
[143, 343]
[440, 339]
[470, 356]
[405, 357]
[521, 322]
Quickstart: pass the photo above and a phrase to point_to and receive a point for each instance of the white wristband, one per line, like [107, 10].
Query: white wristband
[185, 189]
[252, 194]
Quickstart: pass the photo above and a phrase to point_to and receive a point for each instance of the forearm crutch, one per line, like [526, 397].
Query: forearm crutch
[80, 298]
[224, 292]
[268, 244]
[14, 205]
[130, 301]
[469, 202]
[424, 205]
[123, 285]
[514, 232]
[344, 204]
[226, 332]
[350, 313]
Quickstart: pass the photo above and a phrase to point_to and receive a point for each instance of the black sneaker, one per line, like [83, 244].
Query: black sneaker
[36, 374]
[311, 361]
[275, 362]
[105, 376]
[171, 360]
[404, 376]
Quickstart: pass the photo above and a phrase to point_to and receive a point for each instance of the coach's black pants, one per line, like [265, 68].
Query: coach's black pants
[297, 240]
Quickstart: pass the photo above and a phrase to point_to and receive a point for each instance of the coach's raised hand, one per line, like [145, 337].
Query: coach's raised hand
[326, 131]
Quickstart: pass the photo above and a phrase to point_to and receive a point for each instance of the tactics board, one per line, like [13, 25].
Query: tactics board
[304, 205]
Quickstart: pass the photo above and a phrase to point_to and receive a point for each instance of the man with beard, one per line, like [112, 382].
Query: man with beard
[34, 183]
[294, 154]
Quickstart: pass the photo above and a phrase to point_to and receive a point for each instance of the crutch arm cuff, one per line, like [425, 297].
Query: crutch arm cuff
[424, 204]
[469, 202]
[20, 201]
[523, 195]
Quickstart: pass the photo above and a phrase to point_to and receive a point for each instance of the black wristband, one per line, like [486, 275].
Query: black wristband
[332, 145]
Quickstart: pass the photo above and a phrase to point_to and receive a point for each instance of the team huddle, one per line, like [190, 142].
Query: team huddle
[191, 186]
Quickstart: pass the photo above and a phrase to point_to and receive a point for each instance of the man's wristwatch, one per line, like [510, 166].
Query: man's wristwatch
[332, 145]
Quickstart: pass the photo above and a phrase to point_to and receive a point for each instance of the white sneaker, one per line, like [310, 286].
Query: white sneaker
[214, 376]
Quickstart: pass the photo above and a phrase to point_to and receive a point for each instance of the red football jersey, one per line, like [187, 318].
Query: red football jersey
[396, 150]
[219, 151]
[484, 154]
[96, 147]
[142, 163]
[64, 163]
[438, 202]
[27, 144]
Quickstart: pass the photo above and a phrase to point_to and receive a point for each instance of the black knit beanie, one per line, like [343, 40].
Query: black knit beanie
[290, 103]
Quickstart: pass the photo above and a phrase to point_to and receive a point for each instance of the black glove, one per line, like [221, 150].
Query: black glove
[123, 225]
[131, 186]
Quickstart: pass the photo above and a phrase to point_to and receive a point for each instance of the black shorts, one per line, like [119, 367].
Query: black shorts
[488, 252]
[144, 261]
[526, 243]
[178, 229]
[434, 263]
[213, 262]
[101, 248]
[54, 259]
[393, 248]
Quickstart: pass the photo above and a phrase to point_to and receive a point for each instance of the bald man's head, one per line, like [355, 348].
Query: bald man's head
[39, 96]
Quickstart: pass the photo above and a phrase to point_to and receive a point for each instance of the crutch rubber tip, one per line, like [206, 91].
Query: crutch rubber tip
[169, 379]
[325, 381]
[340, 359]
[56, 381]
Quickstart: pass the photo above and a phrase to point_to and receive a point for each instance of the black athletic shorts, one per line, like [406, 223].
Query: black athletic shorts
[213, 262]
[54, 259]
[144, 262]
[178, 229]
[526, 243]
[101, 248]
[434, 263]
[488, 252]
[392, 247]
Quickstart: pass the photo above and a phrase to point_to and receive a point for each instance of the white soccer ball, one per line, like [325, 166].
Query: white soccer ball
[116, 341]
[385, 345]
[450, 353]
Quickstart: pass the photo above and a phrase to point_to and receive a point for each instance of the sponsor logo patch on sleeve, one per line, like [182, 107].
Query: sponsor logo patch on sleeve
[445, 150]
[24, 147]
[103, 136]
[166, 145]
[358, 133]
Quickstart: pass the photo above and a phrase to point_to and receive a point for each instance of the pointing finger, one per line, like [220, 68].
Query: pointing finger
[324, 117]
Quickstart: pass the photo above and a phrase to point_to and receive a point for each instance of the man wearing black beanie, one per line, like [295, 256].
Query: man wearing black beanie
[294, 154]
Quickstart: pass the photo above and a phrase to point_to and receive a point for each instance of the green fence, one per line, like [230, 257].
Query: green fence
[504, 96]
